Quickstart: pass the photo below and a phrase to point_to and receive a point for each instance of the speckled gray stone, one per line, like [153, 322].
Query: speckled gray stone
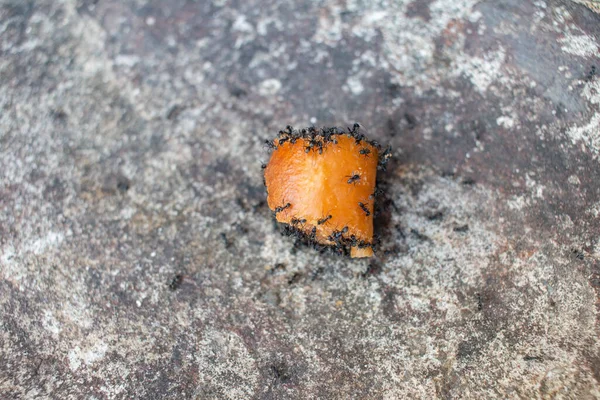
[138, 258]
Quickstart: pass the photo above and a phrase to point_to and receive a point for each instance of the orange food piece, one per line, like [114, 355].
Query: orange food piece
[323, 187]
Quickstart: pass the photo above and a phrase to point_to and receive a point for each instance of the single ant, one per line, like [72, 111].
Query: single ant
[270, 145]
[313, 234]
[354, 129]
[384, 158]
[364, 208]
[323, 220]
[311, 143]
[353, 178]
[279, 209]
[176, 282]
[320, 146]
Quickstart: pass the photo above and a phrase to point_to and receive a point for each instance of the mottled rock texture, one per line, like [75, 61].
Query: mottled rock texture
[138, 258]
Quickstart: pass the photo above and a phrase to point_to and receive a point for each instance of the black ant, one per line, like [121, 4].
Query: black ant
[311, 143]
[312, 238]
[353, 178]
[377, 192]
[362, 245]
[365, 152]
[296, 221]
[590, 76]
[279, 209]
[283, 140]
[384, 158]
[354, 129]
[263, 166]
[387, 153]
[320, 146]
[176, 282]
[364, 208]
[270, 145]
[323, 220]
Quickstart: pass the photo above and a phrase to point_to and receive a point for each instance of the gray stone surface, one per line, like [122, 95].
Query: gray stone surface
[138, 258]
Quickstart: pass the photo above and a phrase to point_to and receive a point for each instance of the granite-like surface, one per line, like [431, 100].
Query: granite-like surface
[138, 258]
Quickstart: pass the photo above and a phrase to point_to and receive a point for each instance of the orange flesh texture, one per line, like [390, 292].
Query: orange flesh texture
[316, 185]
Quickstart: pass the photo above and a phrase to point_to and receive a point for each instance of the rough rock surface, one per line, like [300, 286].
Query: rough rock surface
[138, 258]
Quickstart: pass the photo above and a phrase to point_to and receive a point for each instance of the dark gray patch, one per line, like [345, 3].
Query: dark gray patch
[175, 111]
[420, 9]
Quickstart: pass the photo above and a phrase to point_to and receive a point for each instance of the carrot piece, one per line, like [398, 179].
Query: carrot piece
[323, 186]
